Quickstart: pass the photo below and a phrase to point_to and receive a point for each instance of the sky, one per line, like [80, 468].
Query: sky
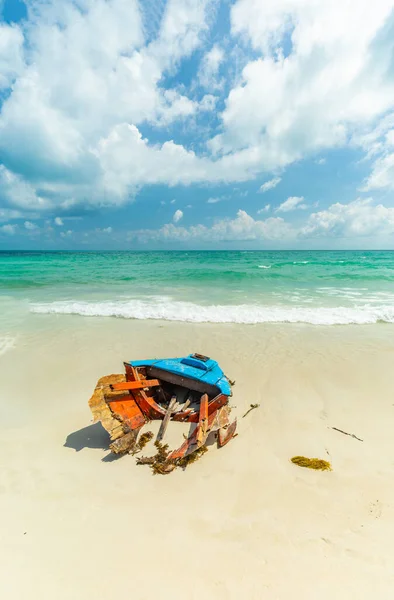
[192, 124]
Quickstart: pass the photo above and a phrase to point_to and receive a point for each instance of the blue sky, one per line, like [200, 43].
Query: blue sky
[196, 124]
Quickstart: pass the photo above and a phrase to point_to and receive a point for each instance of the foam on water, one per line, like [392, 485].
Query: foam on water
[170, 310]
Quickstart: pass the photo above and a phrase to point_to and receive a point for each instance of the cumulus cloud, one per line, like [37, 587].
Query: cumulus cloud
[9, 229]
[266, 208]
[270, 185]
[321, 92]
[242, 228]
[359, 218]
[382, 175]
[213, 200]
[292, 203]
[30, 226]
[209, 68]
[84, 79]
[11, 54]
[59, 222]
[178, 215]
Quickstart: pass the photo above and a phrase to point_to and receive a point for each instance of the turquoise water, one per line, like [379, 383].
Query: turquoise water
[319, 287]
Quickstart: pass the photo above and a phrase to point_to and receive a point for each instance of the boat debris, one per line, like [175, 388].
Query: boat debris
[346, 433]
[191, 389]
[252, 407]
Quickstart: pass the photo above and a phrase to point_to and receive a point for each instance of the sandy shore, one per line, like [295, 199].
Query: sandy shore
[242, 522]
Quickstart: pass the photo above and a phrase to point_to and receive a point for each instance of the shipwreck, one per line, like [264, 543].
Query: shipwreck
[191, 389]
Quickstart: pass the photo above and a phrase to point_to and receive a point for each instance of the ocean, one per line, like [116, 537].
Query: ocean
[316, 287]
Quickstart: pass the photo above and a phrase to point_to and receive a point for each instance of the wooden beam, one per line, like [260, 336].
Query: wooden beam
[135, 385]
[202, 421]
[166, 419]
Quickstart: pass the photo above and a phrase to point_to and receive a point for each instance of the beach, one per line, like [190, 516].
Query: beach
[242, 521]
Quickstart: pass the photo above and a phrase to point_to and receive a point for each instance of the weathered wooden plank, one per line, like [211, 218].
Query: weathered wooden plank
[225, 435]
[166, 419]
[135, 385]
[202, 421]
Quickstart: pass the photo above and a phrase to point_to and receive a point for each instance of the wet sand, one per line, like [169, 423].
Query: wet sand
[243, 521]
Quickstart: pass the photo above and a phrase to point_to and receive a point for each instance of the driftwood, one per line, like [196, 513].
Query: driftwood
[252, 407]
[345, 433]
[126, 443]
[165, 421]
[101, 410]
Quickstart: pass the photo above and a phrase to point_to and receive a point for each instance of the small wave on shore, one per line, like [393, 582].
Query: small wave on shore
[6, 343]
[170, 310]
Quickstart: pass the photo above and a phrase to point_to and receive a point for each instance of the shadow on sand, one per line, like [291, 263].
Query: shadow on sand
[93, 436]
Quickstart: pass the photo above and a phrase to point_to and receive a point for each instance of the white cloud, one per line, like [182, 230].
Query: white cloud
[209, 68]
[350, 222]
[208, 103]
[382, 175]
[178, 215]
[7, 214]
[292, 203]
[66, 234]
[242, 228]
[213, 200]
[20, 193]
[266, 208]
[357, 219]
[173, 201]
[87, 78]
[59, 222]
[105, 230]
[334, 80]
[270, 185]
[11, 54]
[30, 226]
[321, 161]
[9, 229]
[79, 58]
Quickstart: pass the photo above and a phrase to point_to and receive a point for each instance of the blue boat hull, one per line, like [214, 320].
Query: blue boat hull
[195, 372]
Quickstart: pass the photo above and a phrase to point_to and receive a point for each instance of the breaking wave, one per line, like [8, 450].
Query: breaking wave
[170, 310]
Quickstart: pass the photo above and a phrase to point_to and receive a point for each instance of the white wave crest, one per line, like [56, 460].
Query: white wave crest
[166, 310]
[264, 266]
[6, 343]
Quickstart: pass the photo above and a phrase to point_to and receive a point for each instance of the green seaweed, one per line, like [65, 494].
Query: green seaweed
[312, 463]
[191, 458]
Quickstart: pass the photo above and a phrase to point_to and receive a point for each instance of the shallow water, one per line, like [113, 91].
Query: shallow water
[318, 287]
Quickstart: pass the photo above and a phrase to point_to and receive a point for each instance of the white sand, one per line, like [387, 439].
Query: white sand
[243, 522]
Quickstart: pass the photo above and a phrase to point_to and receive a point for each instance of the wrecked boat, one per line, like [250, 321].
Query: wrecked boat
[191, 389]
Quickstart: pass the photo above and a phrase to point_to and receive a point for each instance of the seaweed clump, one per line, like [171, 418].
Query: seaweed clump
[159, 463]
[312, 463]
[191, 458]
[144, 439]
[162, 465]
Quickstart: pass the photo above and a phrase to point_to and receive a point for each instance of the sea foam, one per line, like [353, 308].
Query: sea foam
[170, 310]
